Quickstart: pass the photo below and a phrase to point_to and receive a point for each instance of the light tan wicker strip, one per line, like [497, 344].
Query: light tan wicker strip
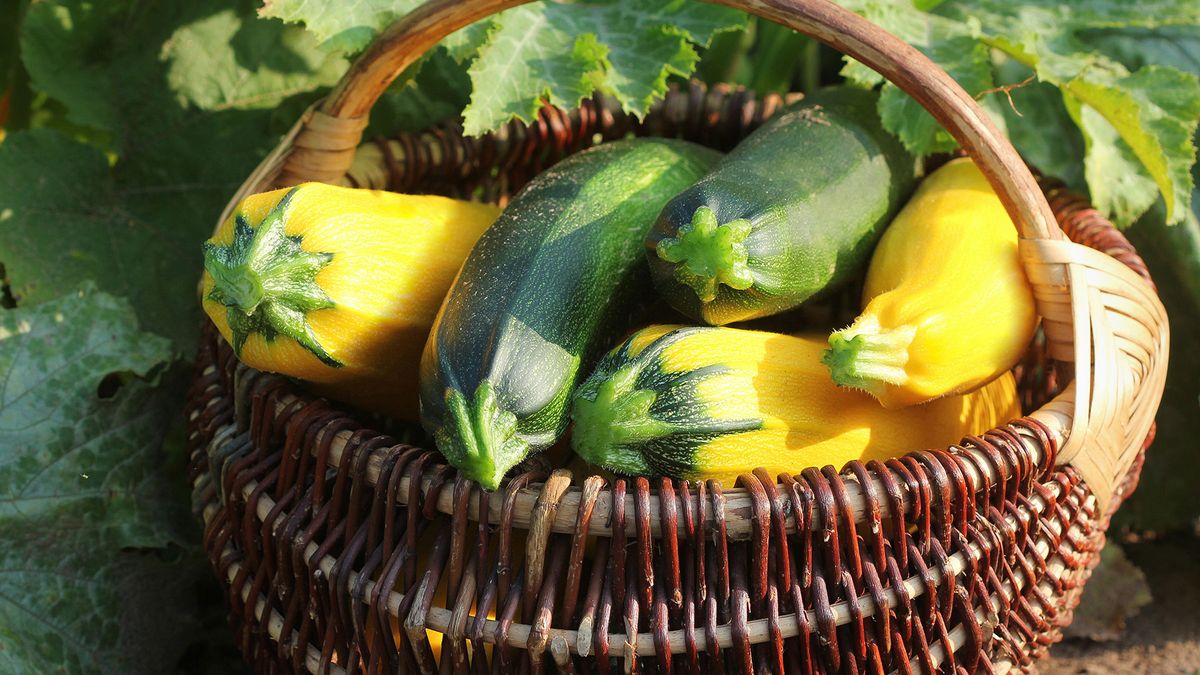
[1107, 320]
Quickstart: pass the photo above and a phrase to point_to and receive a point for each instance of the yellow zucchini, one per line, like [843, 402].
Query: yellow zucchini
[947, 304]
[338, 286]
[700, 403]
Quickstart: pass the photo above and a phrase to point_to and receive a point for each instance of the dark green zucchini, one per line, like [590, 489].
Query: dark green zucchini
[545, 290]
[793, 210]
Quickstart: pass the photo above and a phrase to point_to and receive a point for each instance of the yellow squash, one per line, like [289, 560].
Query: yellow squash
[947, 304]
[338, 286]
[701, 402]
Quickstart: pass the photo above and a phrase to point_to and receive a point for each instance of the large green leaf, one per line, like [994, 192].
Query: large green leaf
[1119, 186]
[135, 229]
[1174, 46]
[967, 61]
[1040, 127]
[1140, 125]
[344, 26]
[544, 51]
[60, 43]
[349, 26]
[1153, 112]
[72, 602]
[85, 400]
[561, 52]
[81, 417]
[1053, 18]
[256, 63]
[526, 59]
[178, 98]
[902, 19]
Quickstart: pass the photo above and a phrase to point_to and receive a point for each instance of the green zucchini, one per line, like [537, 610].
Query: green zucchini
[793, 210]
[545, 290]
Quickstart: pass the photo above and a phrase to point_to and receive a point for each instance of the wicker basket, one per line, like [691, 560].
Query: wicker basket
[340, 546]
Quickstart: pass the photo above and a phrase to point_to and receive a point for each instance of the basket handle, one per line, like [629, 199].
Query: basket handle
[405, 41]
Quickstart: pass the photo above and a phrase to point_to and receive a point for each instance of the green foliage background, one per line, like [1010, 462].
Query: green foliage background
[130, 123]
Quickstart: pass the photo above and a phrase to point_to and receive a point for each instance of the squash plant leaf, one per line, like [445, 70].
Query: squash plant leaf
[68, 216]
[543, 51]
[1137, 124]
[157, 111]
[1120, 187]
[1175, 46]
[348, 27]
[968, 62]
[230, 60]
[561, 53]
[85, 400]
[340, 26]
[74, 603]
[83, 416]
[1034, 112]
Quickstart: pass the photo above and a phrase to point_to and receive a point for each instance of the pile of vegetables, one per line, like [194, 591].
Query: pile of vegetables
[338, 287]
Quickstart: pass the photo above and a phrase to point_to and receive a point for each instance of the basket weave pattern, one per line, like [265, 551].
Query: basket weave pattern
[340, 546]
[818, 572]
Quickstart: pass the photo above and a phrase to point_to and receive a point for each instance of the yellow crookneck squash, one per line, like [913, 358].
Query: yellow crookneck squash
[338, 286]
[947, 304]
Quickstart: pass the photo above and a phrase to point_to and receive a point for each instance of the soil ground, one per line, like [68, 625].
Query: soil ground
[1164, 637]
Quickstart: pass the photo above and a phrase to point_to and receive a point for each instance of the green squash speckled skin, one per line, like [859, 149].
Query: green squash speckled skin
[793, 210]
[544, 292]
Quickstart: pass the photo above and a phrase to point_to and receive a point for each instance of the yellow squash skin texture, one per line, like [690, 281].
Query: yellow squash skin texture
[393, 258]
[947, 304]
[755, 399]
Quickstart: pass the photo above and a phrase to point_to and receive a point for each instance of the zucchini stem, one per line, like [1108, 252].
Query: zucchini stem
[869, 357]
[268, 281]
[479, 436]
[706, 253]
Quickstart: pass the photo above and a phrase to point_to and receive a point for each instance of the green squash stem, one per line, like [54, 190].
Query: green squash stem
[706, 253]
[612, 419]
[480, 437]
[268, 281]
[868, 357]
